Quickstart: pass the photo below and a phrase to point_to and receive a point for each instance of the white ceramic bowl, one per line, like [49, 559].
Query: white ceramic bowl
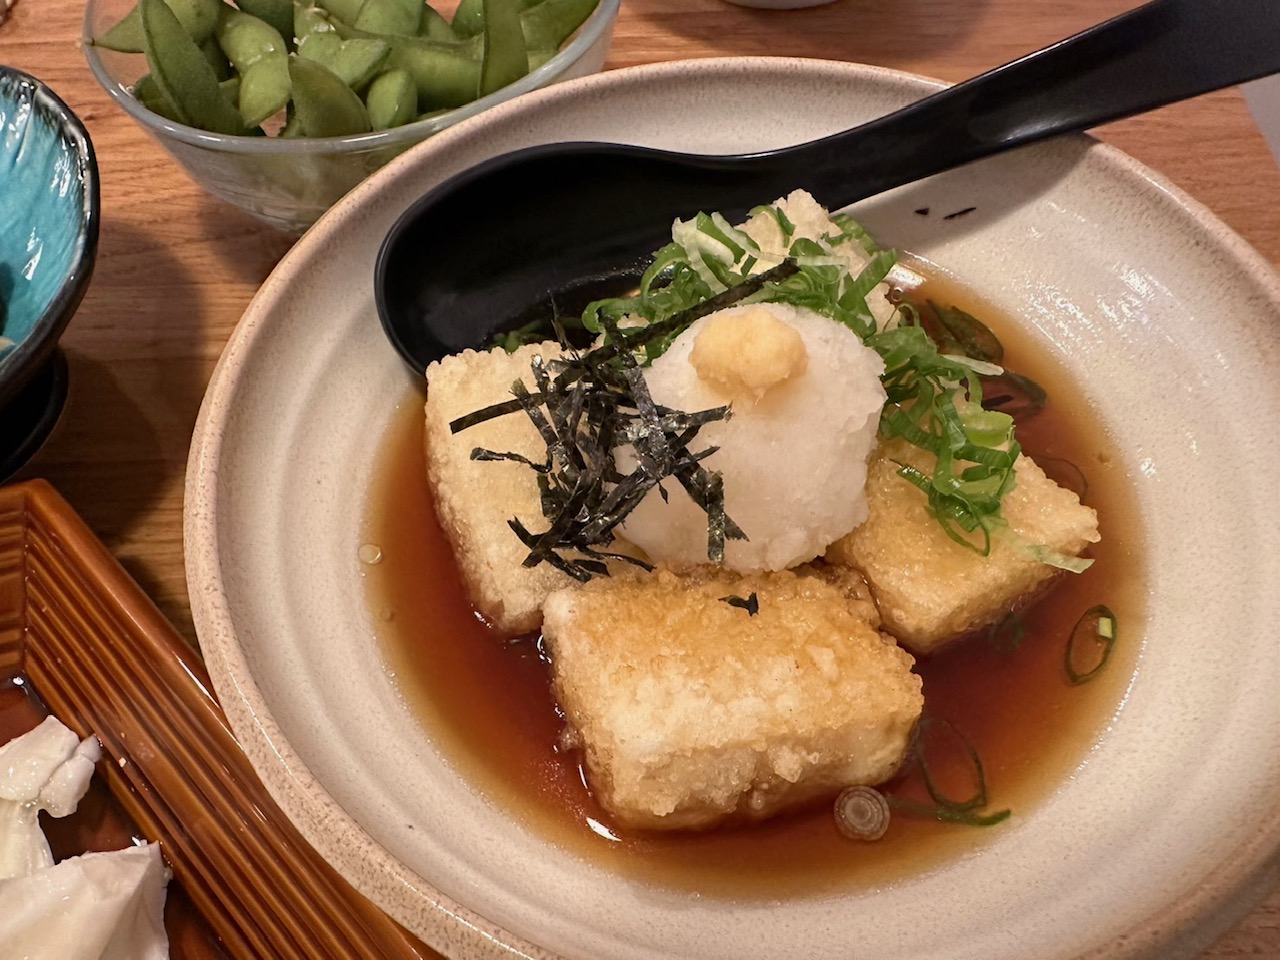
[1163, 315]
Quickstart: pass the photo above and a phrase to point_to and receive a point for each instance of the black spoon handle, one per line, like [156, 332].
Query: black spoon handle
[1157, 54]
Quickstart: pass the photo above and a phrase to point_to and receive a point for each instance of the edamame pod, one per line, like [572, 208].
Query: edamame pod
[150, 96]
[472, 47]
[399, 18]
[125, 36]
[246, 39]
[325, 106]
[216, 59]
[538, 57]
[309, 19]
[444, 76]
[344, 10]
[505, 58]
[392, 100]
[468, 18]
[355, 61]
[183, 75]
[278, 13]
[264, 89]
[198, 19]
[550, 23]
[434, 26]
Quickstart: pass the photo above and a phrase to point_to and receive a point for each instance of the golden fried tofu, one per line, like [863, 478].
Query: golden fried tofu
[930, 589]
[690, 709]
[475, 499]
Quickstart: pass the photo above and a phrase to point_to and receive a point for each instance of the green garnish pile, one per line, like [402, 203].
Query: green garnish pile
[935, 399]
[586, 405]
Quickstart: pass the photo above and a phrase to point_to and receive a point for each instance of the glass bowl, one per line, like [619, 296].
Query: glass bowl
[290, 183]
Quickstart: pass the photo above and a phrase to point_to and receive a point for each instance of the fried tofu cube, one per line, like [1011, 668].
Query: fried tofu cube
[691, 710]
[930, 589]
[475, 499]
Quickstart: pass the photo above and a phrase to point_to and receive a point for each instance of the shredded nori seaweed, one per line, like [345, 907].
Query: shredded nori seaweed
[587, 404]
[749, 603]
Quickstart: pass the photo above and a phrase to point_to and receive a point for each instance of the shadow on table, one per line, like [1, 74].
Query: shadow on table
[249, 248]
[137, 368]
[860, 31]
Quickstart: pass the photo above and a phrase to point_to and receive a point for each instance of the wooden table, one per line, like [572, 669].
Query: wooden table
[176, 269]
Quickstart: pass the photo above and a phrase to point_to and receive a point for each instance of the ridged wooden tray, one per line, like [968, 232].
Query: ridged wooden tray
[82, 640]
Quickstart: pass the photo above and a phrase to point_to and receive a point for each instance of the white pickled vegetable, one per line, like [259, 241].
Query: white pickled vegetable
[99, 906]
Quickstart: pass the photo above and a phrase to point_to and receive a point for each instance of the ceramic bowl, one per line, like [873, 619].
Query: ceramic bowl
[289, 183]
[48, 241]
[1147, 845]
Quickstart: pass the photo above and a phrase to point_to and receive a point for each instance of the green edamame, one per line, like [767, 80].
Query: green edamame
[246, 39]
[258, 52]
[400, 18]
[325, 68]
[445, 76]
[326, 107]
[309, 19]
[434, 26]
[216, 58]
[468, 18]
[549, 23]
[505, 56]
[264, 90]
[278, 13]
[182, 74]
[198, 19]
[356, 61]
[392, 100]
[344, 10]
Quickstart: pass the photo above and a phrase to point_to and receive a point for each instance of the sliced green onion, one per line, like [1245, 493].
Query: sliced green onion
[1063, 561]
[968, 818]
[784, 222]
[967, 810]
[1090, 644]
[862, 813]
[973, 336]
[1007, 634]
[979, 795]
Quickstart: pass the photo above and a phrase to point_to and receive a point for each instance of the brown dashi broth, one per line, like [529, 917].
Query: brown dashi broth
[486, 700]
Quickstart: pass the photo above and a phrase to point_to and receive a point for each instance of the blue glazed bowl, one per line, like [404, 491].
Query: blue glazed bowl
[49, 210]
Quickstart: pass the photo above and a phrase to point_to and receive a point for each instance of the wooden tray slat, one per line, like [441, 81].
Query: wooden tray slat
[105, 662]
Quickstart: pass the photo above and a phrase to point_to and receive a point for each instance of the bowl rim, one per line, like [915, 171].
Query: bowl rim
[1223, 893]
[20, 363]
[596, 26]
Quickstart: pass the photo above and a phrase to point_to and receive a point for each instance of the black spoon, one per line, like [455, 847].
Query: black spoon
[488, 248]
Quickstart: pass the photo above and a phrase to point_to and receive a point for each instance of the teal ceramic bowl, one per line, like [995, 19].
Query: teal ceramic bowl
[49, 212]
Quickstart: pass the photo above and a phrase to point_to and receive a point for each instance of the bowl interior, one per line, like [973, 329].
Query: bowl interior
[48, 218]
[1159, 312]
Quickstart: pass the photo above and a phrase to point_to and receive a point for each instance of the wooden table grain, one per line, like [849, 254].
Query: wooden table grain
[176, 269]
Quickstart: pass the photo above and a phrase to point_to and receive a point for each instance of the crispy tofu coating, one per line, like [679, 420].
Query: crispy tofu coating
[691, 710]
[930, 589]
[475, 499]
